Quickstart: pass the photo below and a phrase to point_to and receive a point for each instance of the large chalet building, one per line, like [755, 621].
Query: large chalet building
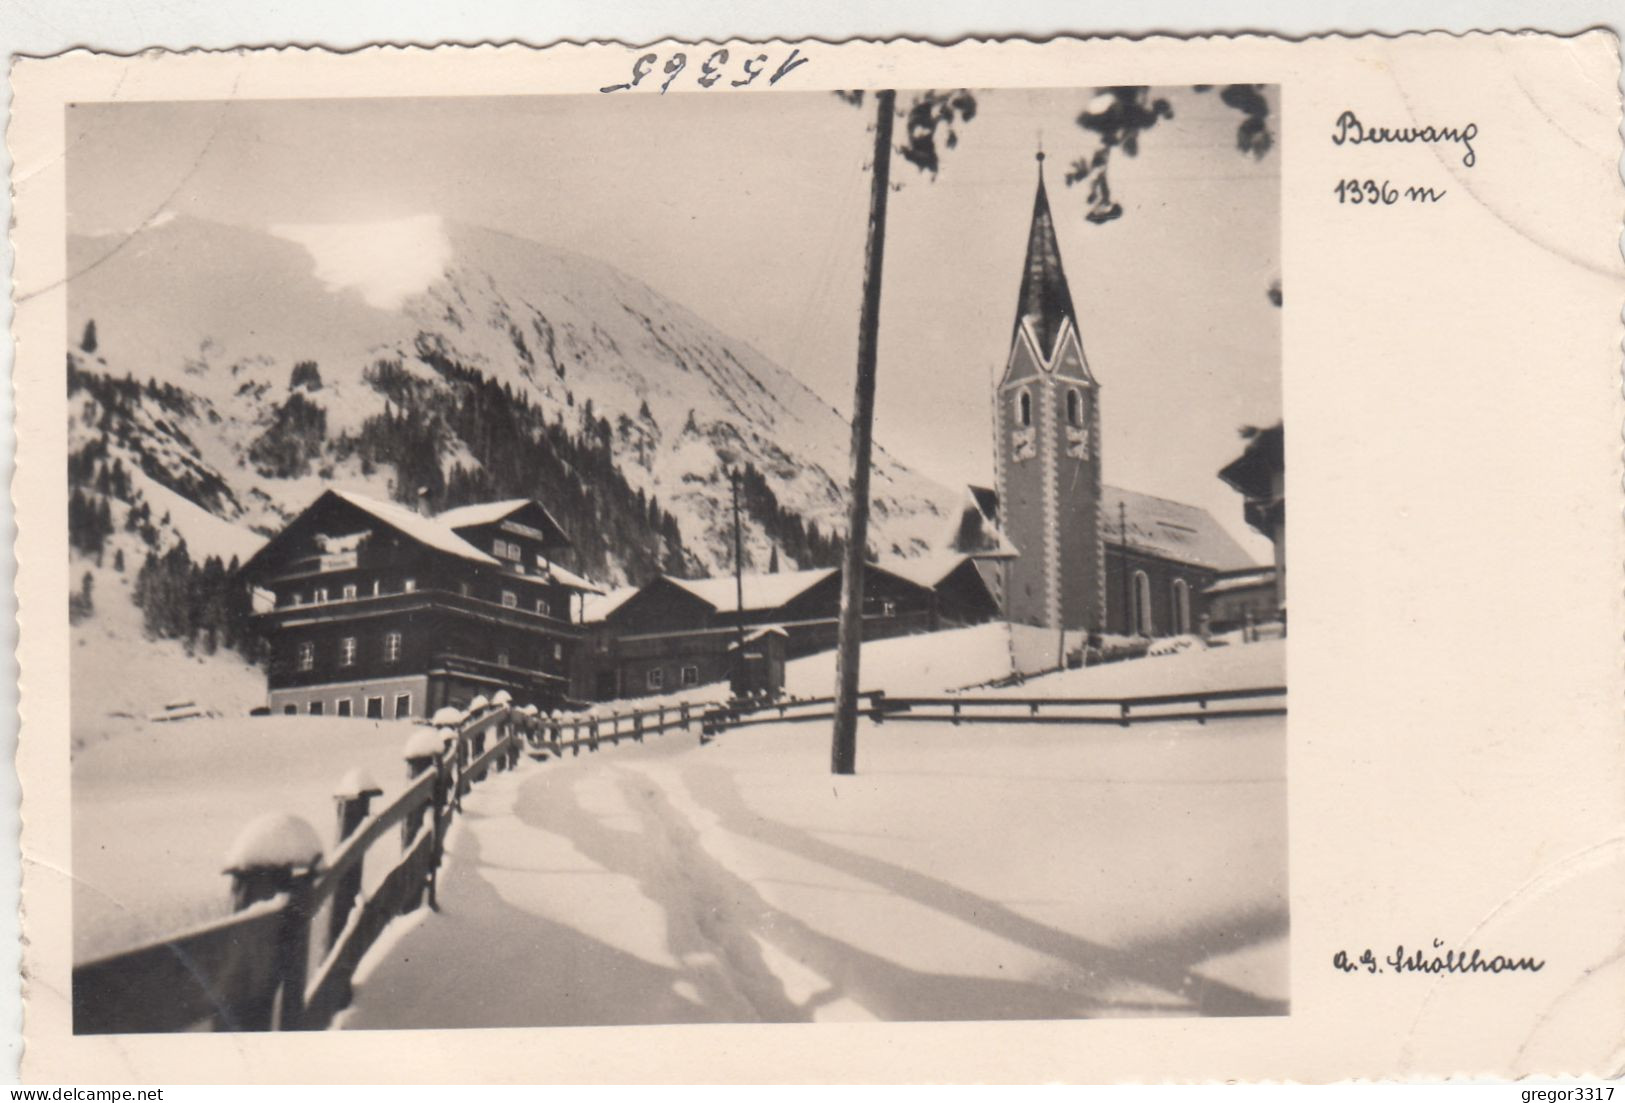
[371, 609]
[1092, 557]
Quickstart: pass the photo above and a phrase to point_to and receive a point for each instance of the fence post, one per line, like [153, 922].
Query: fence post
[273, 855]
[877, 702]
[422, 753]
[353, 799]
[687, 726]
[477, 750]
[592, 734]
[637, 727]
[1124, 706]
[437, 808]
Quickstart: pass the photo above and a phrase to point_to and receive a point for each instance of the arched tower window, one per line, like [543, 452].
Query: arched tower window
[1025, 406]
[1182, 608]
[1074, 407]
[1143, 625]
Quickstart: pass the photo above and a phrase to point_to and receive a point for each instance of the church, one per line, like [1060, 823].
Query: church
[1091, 557]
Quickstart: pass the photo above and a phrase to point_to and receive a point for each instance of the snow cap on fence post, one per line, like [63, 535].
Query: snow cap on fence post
[479, 704]
[447, 717]
[422, 748]
[268, 855]
[357, 783]
[502, 697]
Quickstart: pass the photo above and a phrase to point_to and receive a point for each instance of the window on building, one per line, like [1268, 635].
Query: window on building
[691, 675]
[349, 591]
[375, 708]
[392, 647]
[541, 606]
[347, 651]
[307, 656]
[656, 678]
[463, 588]
[1182, 607]
[315, 708]
[510, 600]
[296, 598]
[344, 706]
[499, 548]
[502, 658]
[403, 706]
[409, 586]
[290, 710]
[1143, 625]
[320, 596]
[558, 652]
[1074, 407]
[888, 608]
[1025, 403]
[376, 587]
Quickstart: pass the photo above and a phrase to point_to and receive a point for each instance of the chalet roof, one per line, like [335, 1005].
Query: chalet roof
[761, 633]
[975, 531]
[480, 513]
[762, 591]
[1045, 300]
[924, 570]
[598, 606]
[1250, 472]
[489, 513]
[1172, 530]
[570, 578]
[432, 531]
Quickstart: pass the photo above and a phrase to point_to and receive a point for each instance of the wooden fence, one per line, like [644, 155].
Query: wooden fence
[1000, 709]
[285, 959]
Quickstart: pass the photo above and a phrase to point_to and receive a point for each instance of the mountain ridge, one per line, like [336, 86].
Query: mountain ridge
[570, 344]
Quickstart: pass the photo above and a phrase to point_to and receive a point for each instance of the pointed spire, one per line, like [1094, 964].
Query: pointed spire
[1044, 295]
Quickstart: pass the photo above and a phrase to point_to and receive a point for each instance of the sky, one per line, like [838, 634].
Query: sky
[750, 210]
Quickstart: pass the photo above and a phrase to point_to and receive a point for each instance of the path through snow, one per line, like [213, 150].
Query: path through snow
[965, 873]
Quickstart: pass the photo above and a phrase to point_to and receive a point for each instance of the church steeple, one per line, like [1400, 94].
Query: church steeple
[1045, 299]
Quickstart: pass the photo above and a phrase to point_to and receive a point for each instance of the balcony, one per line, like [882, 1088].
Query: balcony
[368, 606]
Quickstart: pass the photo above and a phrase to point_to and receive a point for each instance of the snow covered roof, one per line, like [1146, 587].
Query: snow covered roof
[1242, 580]
[600, 605]
[923, 570]
[432, 531]
[760, 633]
[762, 591]
[975, 530]
[571, 579]
[480, 513]
[1173, 530]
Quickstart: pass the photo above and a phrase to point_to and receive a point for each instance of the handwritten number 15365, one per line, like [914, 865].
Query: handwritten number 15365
[713, 69]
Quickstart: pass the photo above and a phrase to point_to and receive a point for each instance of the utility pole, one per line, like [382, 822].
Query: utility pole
[849, 640]
[739, 583]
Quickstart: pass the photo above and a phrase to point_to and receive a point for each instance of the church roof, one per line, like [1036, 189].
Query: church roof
[1045, 300]
[1172, 530]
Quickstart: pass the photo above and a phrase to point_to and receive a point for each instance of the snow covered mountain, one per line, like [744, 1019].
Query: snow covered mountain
[578, 361]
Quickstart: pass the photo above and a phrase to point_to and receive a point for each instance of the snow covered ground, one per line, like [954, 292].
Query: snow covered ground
[156, 808]
[976, 872]
[120, 676]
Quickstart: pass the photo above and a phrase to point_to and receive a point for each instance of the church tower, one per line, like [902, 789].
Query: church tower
[1047, 446]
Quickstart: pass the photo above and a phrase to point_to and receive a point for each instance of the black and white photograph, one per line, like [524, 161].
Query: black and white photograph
[621, 558]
